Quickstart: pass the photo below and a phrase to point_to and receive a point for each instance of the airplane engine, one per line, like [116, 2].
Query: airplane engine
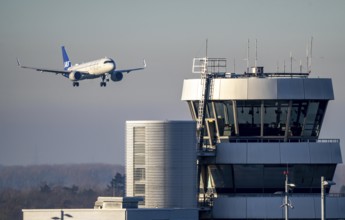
[74, 76]
[116, 76]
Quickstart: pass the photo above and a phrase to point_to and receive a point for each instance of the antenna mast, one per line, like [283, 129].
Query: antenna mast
[234, 65]
[248, 57]
[307, 54]
[256, 53]
[311, 52]
[206, 46]
[291, 61]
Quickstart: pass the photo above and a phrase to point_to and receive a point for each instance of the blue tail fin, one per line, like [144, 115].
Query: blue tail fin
[66, 62]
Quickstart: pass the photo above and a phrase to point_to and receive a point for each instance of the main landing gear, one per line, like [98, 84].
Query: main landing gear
[104, 80]
[75, 84]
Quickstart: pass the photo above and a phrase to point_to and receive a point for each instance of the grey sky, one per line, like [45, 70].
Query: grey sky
[43, 119]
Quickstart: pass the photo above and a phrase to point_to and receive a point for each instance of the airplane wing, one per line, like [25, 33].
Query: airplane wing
[130, 70]
[44, 70]
[47, 70]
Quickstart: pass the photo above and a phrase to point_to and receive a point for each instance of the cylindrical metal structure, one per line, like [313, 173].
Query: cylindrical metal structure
[161, 163]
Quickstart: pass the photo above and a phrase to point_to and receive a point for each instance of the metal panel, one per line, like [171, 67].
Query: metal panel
[341, 206]
[231, 153]
[263, 153]
[320, 153]
[294, 153]
[216, 88]
[335, 207]
[303, 207]
[328, 89]
[290, 89]
[191, 89]
[262, 88]
[256, 208]
[335, 149]
[230, 207]
[273, 209]
[170, 157]
[278, 153]
[236, 89]
[318, 89]
[332, 207]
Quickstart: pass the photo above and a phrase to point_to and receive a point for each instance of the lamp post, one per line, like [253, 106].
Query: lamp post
[324, 184]
[62, 216]
[287, 204]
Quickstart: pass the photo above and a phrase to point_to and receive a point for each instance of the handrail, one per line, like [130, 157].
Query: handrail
[281, 140]
[337, 195]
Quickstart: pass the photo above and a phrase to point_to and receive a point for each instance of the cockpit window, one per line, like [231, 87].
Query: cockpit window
[108, 61]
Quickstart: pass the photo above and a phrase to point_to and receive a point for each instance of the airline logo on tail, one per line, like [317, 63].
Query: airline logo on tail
[67, 64]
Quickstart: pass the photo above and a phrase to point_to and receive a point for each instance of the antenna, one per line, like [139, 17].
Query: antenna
[300, 66]
[248, 57]
[307, 55]
[311, 52]
[291, 61]
[206, 46]
[256, 53]
[234, 65]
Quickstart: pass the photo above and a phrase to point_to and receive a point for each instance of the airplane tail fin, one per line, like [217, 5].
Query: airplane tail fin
[66, 61]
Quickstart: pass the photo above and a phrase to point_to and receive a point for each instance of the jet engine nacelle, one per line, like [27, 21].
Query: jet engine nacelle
[116, 76]
[74, 76]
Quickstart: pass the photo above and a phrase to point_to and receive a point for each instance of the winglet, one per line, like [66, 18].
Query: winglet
[144, 63]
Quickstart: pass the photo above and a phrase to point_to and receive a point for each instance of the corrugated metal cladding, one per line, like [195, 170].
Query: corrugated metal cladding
[161, 163]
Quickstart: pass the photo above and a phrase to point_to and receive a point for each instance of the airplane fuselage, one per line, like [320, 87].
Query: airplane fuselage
[95, 69]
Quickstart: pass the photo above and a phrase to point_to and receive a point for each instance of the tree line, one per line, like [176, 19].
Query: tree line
[40, 189]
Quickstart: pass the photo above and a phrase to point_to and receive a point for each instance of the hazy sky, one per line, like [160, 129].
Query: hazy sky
[44, 120]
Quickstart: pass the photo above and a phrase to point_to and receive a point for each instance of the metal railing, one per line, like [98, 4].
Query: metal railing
[337, 195]
[281, 140]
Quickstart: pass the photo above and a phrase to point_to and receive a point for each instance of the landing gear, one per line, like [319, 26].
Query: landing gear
[75, 84]
[103, 83]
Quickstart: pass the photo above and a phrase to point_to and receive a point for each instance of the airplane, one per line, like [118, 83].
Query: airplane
[101, 68]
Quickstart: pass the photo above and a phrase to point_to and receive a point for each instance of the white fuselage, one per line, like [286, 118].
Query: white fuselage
[95, 68]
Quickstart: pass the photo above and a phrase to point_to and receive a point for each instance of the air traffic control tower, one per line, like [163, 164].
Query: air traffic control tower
[256, 130]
